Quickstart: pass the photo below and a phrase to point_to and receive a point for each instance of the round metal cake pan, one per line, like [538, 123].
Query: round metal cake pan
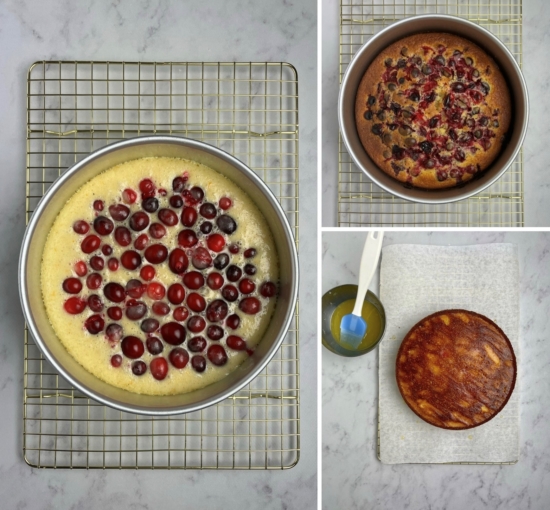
[52, 203]
[433, 23]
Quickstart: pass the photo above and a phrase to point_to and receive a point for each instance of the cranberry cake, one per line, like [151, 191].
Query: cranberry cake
[433, 110]
[159, 276]
[456, 369]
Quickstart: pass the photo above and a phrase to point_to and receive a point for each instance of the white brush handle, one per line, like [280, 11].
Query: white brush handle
[369, 262]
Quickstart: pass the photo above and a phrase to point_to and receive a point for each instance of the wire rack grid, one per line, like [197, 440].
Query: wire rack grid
[247, 109]
[360, 201]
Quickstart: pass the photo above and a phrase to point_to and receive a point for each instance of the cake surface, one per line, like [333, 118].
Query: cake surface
[456, 369]
[433, 110]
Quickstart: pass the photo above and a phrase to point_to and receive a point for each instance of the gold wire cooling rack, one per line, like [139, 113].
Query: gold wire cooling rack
[247, 109]
[361, 202]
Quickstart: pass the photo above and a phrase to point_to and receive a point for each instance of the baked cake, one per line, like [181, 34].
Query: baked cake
[433, 110]
[456, 369]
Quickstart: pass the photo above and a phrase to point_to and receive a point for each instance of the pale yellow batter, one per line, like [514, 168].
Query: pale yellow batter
[62, 250]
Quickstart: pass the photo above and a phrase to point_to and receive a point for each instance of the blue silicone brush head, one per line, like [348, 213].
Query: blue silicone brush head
[352, 330]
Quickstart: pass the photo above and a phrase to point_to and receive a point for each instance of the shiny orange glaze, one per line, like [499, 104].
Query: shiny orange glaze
[456, 369]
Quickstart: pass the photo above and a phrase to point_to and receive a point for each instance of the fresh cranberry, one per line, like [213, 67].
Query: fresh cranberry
[179, 357]
[214, 332]
[173, 333]
[187, 238]
[193, 280]
[214, 281]
[230, 293]
[178, 184]
[112, 264]
[208, 211]
[119, 212]
[233, 273]
[225, 203]
[178, 261]
[196, 344]
[132, 347]
[113, 332]
[139, 221]
[234, 248]
[114, 312]
[233, 321]
[196, 324]
[236, 343]
[216, 242]
[217, 310]
[201, 258]
[81, 227]
[97, 263]
[106, 250]
[206, 227]
[136, 310]
[176, 201]
[98, 205]
[250, 269]
[123, 236]
[168, 217]
[226, 224]
[130, 259]
[149, 325]
[147, 273]
[90, 243]
[217, 355]
[141, 242]
[150, 204]
[135, 289]
[221, 261]
[80, 268]
[156, 253]
[181, 313]
[94, 324]
[159, 368]
[72, 285]
[116, 360]
[129, 196]
[198, 363]
[154, 345]
[160, 308]
[157, 231]
[156, 291]
[189, 216]
[250, 305]
[248, 254]
[176, 293]
[268, 289]
[74, 305]
[114, 292]
[196, 193]
[94, 281]
[139, 367]
[147, 188]
[94, 303]
[196, 302]
[103, 226]
[247, 286]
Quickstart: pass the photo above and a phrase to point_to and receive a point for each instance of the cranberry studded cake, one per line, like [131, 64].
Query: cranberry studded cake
[159, 275]
[433, 110]
[456, 369]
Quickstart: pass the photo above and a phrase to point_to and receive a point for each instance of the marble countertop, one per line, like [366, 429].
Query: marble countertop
[156, 30]
[354, 478]
[536, 15]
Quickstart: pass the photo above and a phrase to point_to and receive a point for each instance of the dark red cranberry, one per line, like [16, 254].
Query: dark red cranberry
[81, 227]
[236, 343]
[201, 258]
[221, 261]
[149, 325]
[130, 259]
[156, 253]
[233, 321]
[74, 305]
[150, 204]
[250, 269]
[114, 292]
[114, 332]
[80, 268]
[119, 212]
[106, 250]
[147, 273]
[196, 324]
[159, 368]
[136, 310]
[248, 254]
[160, 308]
[217, 310]
[147, 188]
[225, 203]
[154, 345]
[193, 280]
[139, 367]
[129, 196]
[233, 273]
[216, 242]
[132, 347]
[206, 227]
[214, 281]
[141, 242]
[156, 291]
[196, 302]
[178, 184]
[123, 236]
[176, 293]
[90, 243]
[250, 305]
[187, 238]
[196, 344]
[116, 360]
[176, 201]
[94, 303]
[268, 289]
[214, 332]
[94, 281]
[168, 217]
[208, 211]
[114, 312]
[189, 216]
[217, 355]
[135, 289]
[234, 248]
[226, 224]
[173, 333]
[181, 313]
[198, 363]
[72, 285]
[157, 231]
[98, 205]
[139, 221]
[112, 264]
[178, 261]
[197, 193]
[97, 263]
[247, 286]
[94, 324]
[179, 357]
[230, 293]
[103, 226]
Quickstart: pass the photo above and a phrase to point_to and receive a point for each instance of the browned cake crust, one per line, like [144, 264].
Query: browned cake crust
[433, 110]
[456, 369]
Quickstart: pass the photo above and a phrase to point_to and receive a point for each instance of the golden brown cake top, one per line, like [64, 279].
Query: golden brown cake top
[456, 369]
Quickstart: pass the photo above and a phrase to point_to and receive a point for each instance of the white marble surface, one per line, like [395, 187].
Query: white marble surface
[153, 30]
[536, 16]
[353, 477]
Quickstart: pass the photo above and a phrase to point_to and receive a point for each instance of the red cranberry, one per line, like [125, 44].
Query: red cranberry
[208, 211]
[139, 367]
[156, 253]
[132, 347]
[250, 269]
[106, 250]
[154, 345]
[176, 293]
[97, 263]
[103, 226]
[112, 264]
[197, 193]
[114, 292]
[233, 321]
[136, 310]
[80, 268]
[123, 236]
[250, 305]
[94, 303]
[159, 368]
[147, 273]
[233, 273]
[178, 261]
[234, 248]
[74, 305]
[156, 291]
[119, 212]
[221, 261]
[193, 280]
[141, 242]
[147, 188]
[196, 324]
[268, 289]
[181, 313]
[198, 363]
[225, 203]
[90, 243]
[160, 308]
[189, 216]
[179, 357]
[135, 289]
[236, 343]
[187, 238]
[150, 204]
[113, 332]
[217, 310]
[72, 285]
[130, 259]
[196, 344]
[217, 355]
[196, 302]
[81, 227]
[216, 242]
[214, 332]
[149, 325]
[129, 196]
[168, 217]
[157, 231]
[94, 281]
[98, 205]
[201, 258]
[94, 324]
[116, 360]
[247, 286]
[173, 333]
[248, 254]
[230, 293]
[226, 224]
[114, 312]
[176, 201]
[139, 221]
[214, 281]
[178, 184]
[206, 227]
